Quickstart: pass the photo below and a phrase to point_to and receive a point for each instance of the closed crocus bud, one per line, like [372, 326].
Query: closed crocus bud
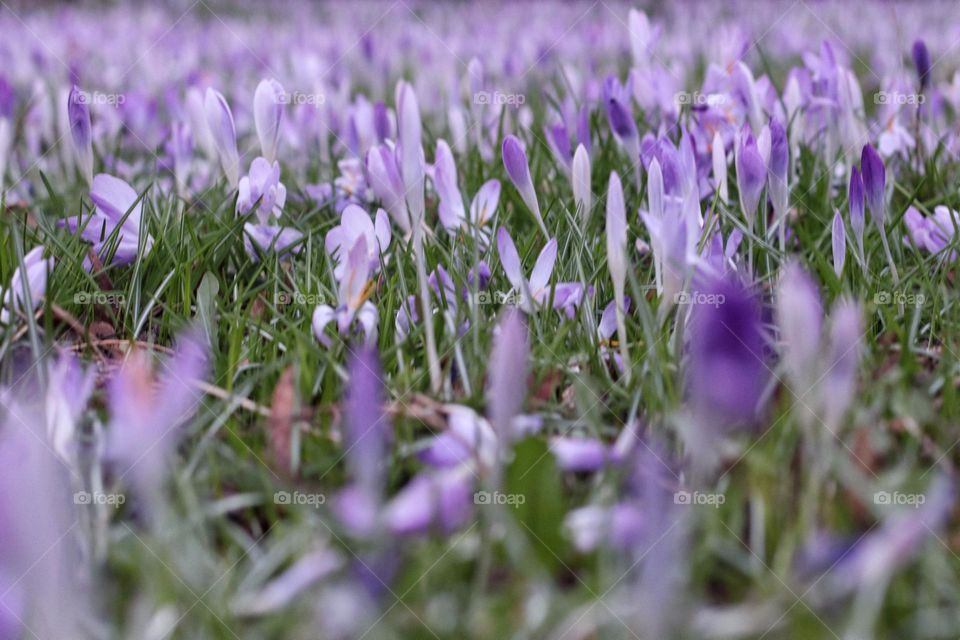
[509, 363]
[778, 167]
[30, 279]
[268, 103]
[719, 157]
[580, 179]
[855, 196]
[78, 113]
[515, 163]
[224, 134]
[799, 318]
[616, 234]
[751, 174]
[411, 151]
[839, 237]
[874, 182]
[921, 60]
[381, 121]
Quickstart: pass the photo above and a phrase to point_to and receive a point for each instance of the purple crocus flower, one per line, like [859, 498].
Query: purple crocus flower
[113, 199]
[260, 239]
[857, 215]
[579, 455]
[32, 276]
[224, 134]
[381, 122]
[751, 175]
[384, 174]
[365, 442]
[354, 223]
[874, 183]
[453, 216]
[411, 151]
[921, 60]
[932, 233]
[268, 102]
[262, 188]
[518, 169]
[536, 291]
[725, 370]
[799, 316]
[580, 182]
[838, 385]
[432, 500]
[509, 363]
[146, 416]
[355, 287]
[78, 113]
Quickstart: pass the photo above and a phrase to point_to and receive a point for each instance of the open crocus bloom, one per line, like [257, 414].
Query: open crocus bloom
[931, 233]
[261, 188]
[355, 287]
[355, 223]
[262, 238]
[113, 199]
[536, 291]
[34, 274]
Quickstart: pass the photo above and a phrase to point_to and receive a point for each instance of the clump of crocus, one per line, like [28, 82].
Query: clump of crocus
[78, 111]
[27, 286]
[535, 292]
[453, 216]
[518, 169]
[224, 134]
[116, 220]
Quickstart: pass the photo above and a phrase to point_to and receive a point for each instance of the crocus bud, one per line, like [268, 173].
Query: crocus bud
[580, 179]
[655, 189]
[411, 151]
[839, 236]
[799, 317]
[78, 113]
[844, 352]
[268, 103]
[384, 175]
[640, 36]
[616, 234]
[515, 163]
[921, 60]
[855, 197]
[778, 167]
[719, 157]
[32, 276]
[751, 174]
[509, 361]
[874, 183]
[726, 371]
[224, 133]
